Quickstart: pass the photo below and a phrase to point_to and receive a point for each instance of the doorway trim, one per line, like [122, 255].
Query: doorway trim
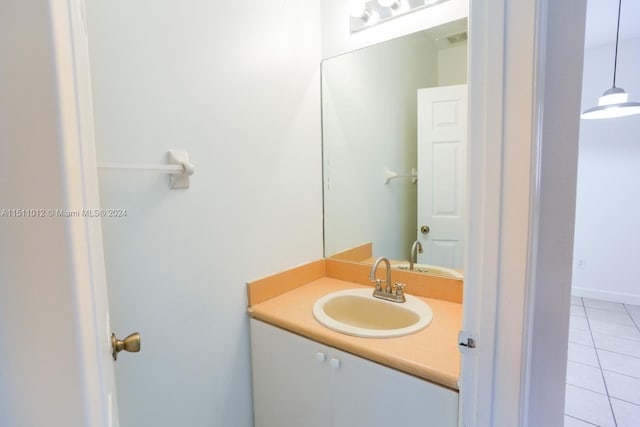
[525, 84]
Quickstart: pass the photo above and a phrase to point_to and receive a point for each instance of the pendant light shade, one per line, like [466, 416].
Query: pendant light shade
[614, 102]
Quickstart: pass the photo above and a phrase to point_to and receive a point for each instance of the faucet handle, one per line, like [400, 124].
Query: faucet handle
[378, 283]
[400, 288]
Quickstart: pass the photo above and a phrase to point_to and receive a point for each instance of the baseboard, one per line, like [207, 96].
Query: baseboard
[606, 295]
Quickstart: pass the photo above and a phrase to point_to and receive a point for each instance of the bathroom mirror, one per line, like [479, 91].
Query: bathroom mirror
[370, 131]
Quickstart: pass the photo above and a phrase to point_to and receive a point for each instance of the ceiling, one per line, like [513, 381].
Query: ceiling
[602, 16]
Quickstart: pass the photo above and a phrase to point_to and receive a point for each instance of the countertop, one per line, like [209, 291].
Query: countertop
[431, 354]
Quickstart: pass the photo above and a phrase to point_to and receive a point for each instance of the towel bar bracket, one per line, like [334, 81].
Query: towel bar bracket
[178, 157]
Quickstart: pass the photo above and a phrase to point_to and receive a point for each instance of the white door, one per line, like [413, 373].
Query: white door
[442, 153]
[56, 367]
[81, 148]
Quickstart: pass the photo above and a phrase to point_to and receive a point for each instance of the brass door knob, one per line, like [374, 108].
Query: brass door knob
[425, 229]
[130, 344]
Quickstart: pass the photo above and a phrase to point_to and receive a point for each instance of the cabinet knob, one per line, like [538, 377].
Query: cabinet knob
[335, 363]
[320, 357]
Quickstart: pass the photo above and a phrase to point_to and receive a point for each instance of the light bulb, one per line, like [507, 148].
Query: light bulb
[395, 5]
[357, 9]
[388, 3]
[373, 18]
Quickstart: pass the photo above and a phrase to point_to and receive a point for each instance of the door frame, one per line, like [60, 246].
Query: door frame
[525, 86]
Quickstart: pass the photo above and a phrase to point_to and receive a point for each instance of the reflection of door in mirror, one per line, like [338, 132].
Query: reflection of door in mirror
[442, 147]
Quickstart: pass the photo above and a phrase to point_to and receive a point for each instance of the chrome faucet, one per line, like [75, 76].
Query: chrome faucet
[415, 250]
[388, 292]
[379, 282]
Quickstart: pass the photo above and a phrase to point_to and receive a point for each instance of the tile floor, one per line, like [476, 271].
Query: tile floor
[603, 367]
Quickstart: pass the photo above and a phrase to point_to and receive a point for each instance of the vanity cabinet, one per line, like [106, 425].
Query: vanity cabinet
[299, 382]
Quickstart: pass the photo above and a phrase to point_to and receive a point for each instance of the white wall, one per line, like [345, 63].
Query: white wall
[369, 122]
[452, 65]
[236, 84]
[607, 232]
[336, 37]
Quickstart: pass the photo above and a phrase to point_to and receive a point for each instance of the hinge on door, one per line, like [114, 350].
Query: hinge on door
[466, 341]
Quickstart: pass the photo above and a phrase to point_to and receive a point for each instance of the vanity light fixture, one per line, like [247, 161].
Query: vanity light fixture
[614, 102]
[367, 13]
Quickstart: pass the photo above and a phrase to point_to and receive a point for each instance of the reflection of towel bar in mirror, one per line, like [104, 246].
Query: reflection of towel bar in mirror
[389, 175]
[179, 168]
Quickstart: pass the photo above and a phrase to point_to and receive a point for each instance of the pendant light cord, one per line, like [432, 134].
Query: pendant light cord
[615, 60]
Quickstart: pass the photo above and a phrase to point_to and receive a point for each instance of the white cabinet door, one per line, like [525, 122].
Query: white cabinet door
[366, 394]
[291, 379]
[298, 382]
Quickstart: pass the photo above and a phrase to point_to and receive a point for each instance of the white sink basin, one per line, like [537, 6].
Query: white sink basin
[431, 269]
[356, 312]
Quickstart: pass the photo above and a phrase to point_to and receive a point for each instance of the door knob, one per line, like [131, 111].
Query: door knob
[130, 344]
[425, 229]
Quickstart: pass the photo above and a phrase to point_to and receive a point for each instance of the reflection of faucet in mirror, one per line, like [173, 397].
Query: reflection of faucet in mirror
[415, 250]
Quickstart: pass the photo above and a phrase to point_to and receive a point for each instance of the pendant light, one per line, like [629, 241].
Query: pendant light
[614, 102]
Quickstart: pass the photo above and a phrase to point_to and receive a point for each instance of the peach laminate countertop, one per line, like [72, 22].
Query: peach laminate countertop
[431, 354]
